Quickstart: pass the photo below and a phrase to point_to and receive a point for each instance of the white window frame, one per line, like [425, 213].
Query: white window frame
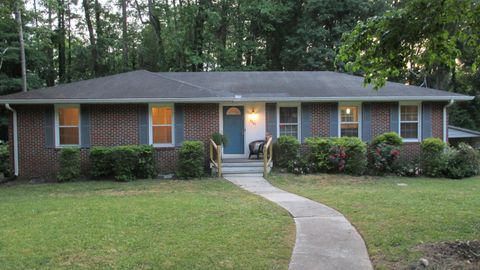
[419, 120]
[299, 123]
[57, 125]
[352, 104]
[150, 124]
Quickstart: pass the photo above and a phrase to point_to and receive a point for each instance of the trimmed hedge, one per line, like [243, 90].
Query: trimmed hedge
[4, 159]
[191, 160]
[69, 164]
[124, 163]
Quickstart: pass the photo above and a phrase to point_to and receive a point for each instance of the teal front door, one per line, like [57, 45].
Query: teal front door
[233, 129]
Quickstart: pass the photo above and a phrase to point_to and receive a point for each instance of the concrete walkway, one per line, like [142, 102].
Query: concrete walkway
[325, 239]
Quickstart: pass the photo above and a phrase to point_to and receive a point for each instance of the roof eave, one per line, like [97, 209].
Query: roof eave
[234, 99]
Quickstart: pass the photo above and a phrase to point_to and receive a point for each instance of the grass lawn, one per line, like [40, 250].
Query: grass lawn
[394, 219]
[204, 224]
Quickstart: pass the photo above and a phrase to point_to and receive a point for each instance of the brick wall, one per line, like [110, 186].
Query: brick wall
[321, 119]
[380, 118]
[110, 125]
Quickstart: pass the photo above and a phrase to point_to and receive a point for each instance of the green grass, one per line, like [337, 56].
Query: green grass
[205, 224]
[394, 219]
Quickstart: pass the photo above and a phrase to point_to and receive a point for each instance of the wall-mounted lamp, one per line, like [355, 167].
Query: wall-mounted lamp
[253, 117]
[348, 111]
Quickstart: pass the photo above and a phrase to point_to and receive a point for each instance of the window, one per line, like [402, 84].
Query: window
[288, 121]
[409, 122]
[68, 125]
[233, 111]
[161, 125]
[349, 123]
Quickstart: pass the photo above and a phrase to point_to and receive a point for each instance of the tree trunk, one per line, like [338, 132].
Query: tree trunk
[50, 80]
[198, 37]
[93, 45]
[18, 18]
[157, 27]
[100, 42]
[69, 57]
[61, 41]
[124, 34]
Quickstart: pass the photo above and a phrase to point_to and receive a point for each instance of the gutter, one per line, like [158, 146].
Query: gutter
[236, 98]
[15, 139]
[445, 127]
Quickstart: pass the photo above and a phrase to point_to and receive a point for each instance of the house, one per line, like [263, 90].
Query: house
[457, 135]
[164, 109]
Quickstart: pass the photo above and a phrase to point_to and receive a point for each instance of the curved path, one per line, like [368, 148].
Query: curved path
[324, 240]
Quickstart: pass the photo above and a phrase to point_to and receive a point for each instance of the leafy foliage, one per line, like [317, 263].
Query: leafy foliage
[384, 152]
[69, 164]
[4, 159]
[432, 157]
[219, 138]
[287, 149]
[463, 161]
[191, 160]
[124, 163]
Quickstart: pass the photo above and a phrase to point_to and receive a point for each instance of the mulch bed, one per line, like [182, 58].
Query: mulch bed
[451, 255]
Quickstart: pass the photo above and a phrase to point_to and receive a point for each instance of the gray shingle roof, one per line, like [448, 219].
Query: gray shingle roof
[144, 86]
[458, 132]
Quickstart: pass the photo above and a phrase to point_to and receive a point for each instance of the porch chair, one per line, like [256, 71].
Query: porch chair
[256, 148]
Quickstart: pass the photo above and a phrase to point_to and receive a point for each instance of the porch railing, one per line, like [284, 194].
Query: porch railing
[267, 156]
[216, 157]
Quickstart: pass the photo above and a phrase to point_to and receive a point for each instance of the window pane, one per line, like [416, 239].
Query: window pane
[68, 116]
[409, 113]
[289, 130]
[162, 134]
[288, 115]
[69, 135]
[349, 130]
[161, 115]
[409, 130]
[349, 114]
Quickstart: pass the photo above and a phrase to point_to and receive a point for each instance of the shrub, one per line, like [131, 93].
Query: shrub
[219, 138]
[433, 159]
[124, 163]
[69, 164]
[287, 149]
[391, 138]
[319, 154]
[101, 162]
[299, 166]
[354, 153]
[464, 161]
[384, 152]
[4, 159]
[191, 160]
[409, 168]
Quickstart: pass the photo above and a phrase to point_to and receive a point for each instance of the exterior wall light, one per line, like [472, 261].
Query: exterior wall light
[253, 117]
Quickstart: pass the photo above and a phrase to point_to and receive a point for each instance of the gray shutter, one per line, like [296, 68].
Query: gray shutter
[50, 126]
[334, 120]
[271, 111]
[394, 117]
[143, 124]
[306, 112]
[84, 126]
[426, 120]
[179, 124]
[367, 122]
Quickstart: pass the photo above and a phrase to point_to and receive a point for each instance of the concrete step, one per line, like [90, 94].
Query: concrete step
[242, 170]
[242, 164]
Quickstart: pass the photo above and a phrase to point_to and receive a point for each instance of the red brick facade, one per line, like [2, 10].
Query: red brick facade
[110, 125]
[118, 124]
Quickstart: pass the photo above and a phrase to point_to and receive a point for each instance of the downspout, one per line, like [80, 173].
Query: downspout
[15, 139]
[445, 128]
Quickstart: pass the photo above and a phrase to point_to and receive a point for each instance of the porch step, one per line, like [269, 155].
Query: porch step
[241, 167]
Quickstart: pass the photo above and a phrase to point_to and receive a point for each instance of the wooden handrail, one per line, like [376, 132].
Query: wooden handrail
[267, 155]
[216, 156]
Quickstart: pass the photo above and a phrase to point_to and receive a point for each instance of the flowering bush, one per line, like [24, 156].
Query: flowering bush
[338, 158]
[384, 152]
[408, 168]
[300, 166]
[355, 154]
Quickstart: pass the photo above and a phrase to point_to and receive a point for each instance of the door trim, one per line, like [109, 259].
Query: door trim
[245, 150]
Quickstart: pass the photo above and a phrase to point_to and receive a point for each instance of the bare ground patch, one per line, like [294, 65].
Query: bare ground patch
[452, 255]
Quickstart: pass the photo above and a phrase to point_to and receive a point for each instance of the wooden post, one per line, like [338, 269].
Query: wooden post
[219, 160]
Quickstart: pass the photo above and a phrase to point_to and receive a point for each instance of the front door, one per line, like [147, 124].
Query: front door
[233, 129]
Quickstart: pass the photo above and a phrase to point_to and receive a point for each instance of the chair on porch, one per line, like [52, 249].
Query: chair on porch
[256, 148]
